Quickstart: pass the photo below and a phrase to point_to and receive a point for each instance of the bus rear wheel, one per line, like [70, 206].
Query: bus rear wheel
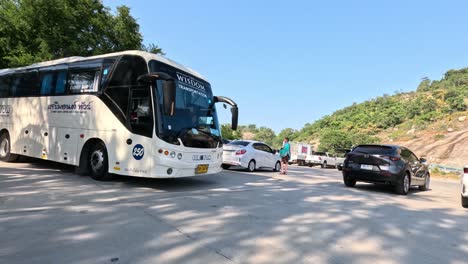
[5, 147]
[98, 162]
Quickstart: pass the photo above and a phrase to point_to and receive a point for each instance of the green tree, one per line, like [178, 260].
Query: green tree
[424, 85]
[455, 100]
[334, 139]
[265, 134]
[152, 48]
[251, 128]
[227, 132]
[362, 138]
[38, 30]
[126, 30]
[287, 132]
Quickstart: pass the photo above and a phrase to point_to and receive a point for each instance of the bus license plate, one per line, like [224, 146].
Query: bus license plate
[367, 167]
[202, 168]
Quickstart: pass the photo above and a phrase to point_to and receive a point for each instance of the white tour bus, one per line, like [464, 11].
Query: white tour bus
[128, 113]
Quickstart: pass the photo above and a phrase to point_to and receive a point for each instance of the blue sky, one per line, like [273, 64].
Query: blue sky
[288, 63]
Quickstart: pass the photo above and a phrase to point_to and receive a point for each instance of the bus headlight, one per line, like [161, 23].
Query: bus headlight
[173, 154]
[179, 156]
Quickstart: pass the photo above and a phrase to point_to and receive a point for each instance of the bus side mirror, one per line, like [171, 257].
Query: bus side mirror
[234, 109]
[235, 117]
[169, 95]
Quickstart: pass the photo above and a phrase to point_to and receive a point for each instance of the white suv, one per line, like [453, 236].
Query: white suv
[464, 191]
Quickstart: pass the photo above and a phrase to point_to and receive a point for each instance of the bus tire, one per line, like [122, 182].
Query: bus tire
[98, 162]
[5, 149]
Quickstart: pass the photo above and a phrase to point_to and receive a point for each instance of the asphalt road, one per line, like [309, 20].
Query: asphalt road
[48, 214]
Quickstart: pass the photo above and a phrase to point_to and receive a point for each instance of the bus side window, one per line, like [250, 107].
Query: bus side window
[47, 83]
[25, 84]
[106, 69]
[4, 86]
[61, 82]
[83, 81]
[128, 70]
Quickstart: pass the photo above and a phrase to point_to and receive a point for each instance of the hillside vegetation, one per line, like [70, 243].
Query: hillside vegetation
[397, 118]
[358, 123]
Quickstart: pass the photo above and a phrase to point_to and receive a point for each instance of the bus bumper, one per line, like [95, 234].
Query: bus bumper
[190, 170]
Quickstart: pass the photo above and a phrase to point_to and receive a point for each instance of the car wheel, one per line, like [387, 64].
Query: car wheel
[5, 147]
[324, 165]
[403, 186]
[98, 163]
[225, 166]
[464, 201]
[277, 166]
[348, 181]
[251, 166]
[427, 182]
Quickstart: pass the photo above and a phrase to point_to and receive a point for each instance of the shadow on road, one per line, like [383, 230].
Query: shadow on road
[239, 217]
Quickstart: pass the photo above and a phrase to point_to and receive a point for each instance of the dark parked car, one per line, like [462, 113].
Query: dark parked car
[387, 164]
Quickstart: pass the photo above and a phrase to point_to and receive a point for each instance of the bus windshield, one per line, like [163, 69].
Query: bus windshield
[195, 121]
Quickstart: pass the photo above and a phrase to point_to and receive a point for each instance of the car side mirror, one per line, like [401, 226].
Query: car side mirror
[422, 160]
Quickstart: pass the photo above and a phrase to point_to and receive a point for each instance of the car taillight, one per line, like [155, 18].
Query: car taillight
[320, 158]
[465, 170]
[391, 158]
[241, 152]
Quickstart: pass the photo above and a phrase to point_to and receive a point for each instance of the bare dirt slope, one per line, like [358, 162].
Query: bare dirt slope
[447, 146]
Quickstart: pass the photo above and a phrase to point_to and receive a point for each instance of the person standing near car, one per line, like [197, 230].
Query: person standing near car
[285, 154]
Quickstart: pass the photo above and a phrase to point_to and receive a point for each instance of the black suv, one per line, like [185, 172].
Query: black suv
[387, 164]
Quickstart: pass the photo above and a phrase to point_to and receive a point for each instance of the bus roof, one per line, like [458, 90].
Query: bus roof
[146, 55]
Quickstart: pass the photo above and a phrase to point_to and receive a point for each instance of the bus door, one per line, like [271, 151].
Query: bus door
[141, 119]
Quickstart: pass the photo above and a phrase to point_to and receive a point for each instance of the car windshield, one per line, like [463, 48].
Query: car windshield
[239, 143]
[375, 150]
[195, 121]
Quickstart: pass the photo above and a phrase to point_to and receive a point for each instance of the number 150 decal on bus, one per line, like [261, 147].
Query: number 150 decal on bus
[138, 152]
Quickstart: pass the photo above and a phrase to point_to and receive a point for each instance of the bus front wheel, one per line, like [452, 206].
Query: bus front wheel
[5, 147]
[98, 162]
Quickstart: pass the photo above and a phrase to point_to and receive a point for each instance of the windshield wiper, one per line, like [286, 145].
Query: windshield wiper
[184, 131]
[207, 133]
